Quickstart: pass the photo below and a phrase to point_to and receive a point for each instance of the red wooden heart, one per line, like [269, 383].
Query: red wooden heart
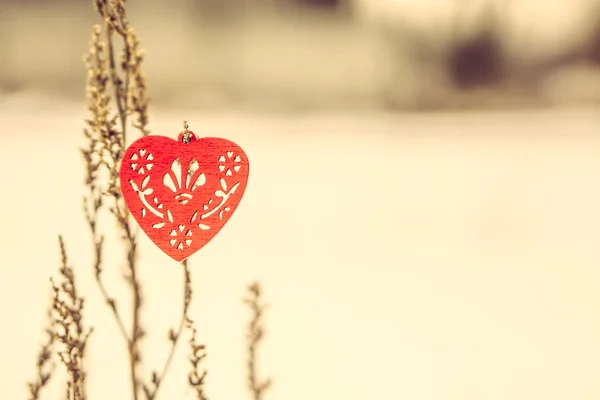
[182, 194]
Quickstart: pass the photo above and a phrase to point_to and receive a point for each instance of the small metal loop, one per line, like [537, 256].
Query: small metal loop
[187, 136]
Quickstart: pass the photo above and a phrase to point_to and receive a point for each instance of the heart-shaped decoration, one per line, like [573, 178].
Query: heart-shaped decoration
[181, 192]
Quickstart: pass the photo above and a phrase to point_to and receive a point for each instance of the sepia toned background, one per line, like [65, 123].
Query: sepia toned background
[422, 209]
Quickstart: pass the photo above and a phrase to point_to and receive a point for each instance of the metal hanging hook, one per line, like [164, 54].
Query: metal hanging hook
[187, 136]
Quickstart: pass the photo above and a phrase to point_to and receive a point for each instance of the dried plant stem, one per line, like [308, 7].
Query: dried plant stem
[107, 146]
[174, 336]
[254, 335]
[130, 86]
[44, 366]
[98, 239]
[195, 377]
[115, 78]
[67, 308]
[113, 306]
[137, 334]
[112, 13]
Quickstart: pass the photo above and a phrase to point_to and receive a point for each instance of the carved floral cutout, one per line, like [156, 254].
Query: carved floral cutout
[183, 194]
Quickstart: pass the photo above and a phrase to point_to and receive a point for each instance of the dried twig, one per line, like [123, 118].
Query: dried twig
[68, 327]
[158, 378]
[106, 134]
[44, 366]
[195, 377]
[254, 335]
[129, 83]
[100, 128]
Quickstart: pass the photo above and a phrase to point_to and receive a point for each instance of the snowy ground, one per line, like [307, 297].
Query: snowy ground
[410, 256]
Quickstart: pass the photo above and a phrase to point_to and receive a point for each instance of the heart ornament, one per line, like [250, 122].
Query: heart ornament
[182, 192]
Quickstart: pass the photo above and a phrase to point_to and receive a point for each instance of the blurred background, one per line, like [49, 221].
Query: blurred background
[322, 54]
[422, 208]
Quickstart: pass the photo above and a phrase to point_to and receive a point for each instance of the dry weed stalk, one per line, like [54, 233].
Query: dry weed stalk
[106, 134]
[195, 377]
[198, 353]
[67, 306]
[44, 365]
[254, 335]
[157, 378]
